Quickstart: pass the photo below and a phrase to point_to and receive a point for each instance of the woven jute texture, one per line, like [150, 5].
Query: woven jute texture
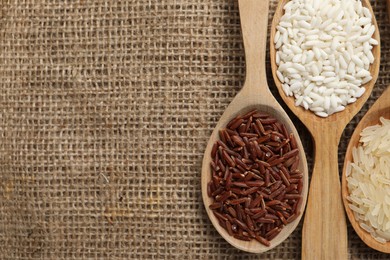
[105, 111]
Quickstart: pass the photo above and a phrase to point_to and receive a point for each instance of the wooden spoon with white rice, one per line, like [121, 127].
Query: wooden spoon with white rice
[366, 176]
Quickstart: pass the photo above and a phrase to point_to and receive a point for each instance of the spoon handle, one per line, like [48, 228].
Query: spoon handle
[254, 26]
[324, 234]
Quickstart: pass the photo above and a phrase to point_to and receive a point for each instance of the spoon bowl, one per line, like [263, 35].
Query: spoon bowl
[255, 94]
[350, 109]
[322, 236]
[381, 108]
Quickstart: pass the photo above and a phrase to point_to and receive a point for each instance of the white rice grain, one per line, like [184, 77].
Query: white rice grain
[369, 181]
[327, 43]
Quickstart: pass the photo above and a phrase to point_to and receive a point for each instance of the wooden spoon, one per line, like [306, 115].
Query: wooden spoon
[381, 108]
[254, 94]
[325, 229]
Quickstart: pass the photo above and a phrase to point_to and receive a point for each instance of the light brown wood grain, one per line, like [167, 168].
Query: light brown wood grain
[381, 108]
[254, 94]
[324, 234]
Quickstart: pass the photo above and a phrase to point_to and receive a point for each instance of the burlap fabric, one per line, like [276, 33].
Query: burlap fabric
[105, 111]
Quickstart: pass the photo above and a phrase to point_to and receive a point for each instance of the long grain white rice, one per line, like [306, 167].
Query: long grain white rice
[368, 180]
[326, 43]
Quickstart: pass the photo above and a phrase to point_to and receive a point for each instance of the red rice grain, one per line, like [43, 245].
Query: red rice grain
[255, 182]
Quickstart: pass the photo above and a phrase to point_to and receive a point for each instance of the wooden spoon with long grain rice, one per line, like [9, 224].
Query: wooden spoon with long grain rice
[381, 108]
[324, 234]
